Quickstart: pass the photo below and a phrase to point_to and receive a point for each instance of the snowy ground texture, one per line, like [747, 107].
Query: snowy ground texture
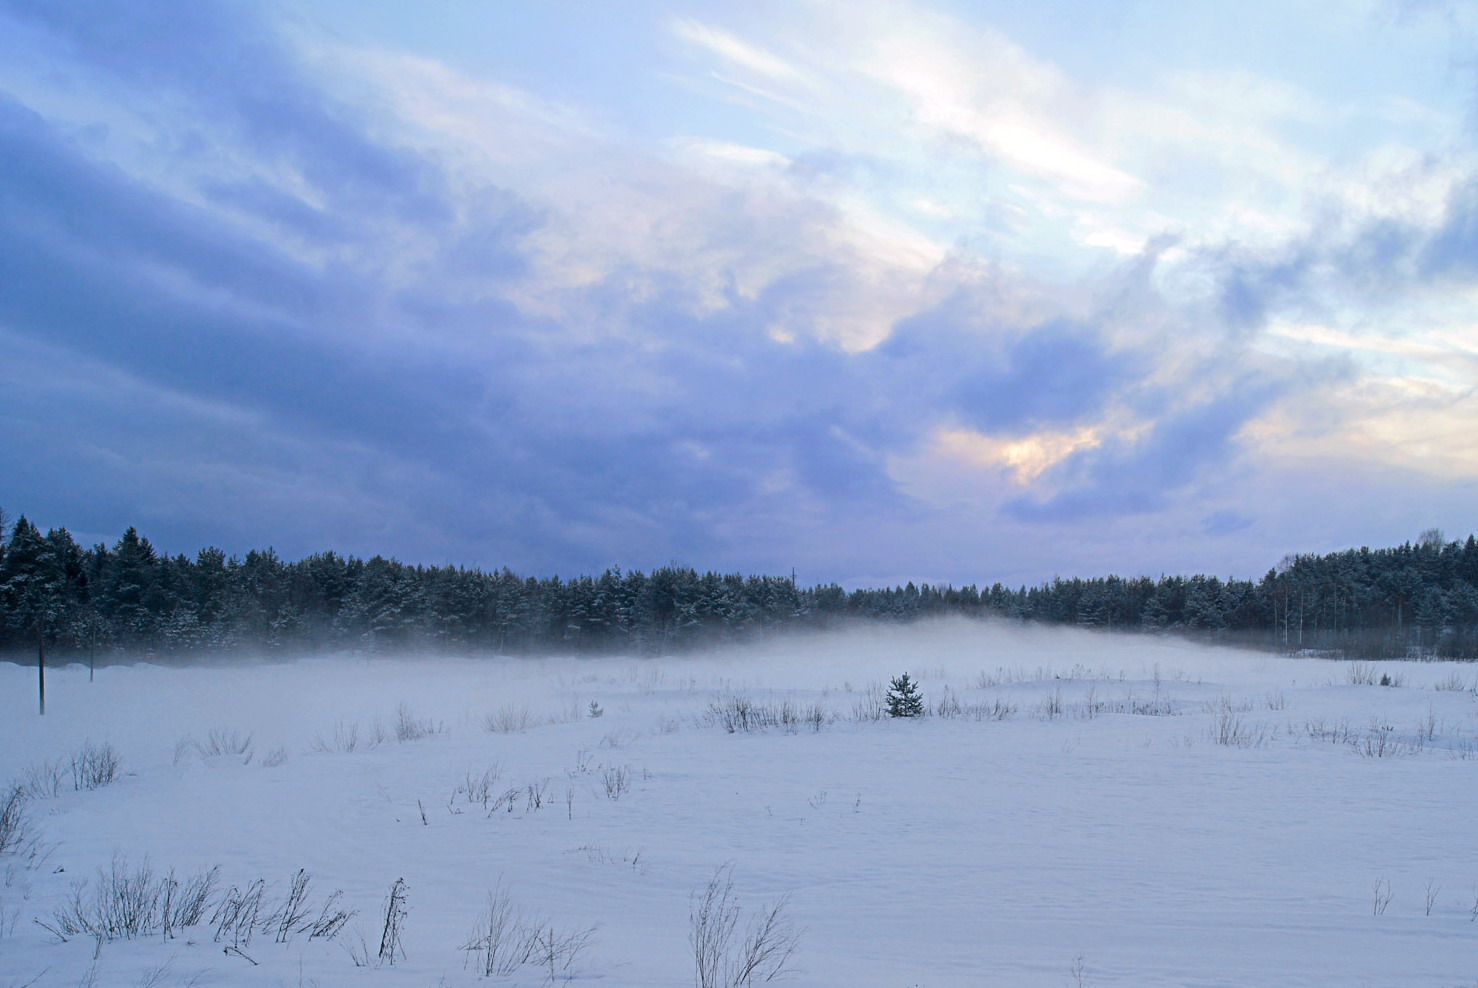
[1075, 810]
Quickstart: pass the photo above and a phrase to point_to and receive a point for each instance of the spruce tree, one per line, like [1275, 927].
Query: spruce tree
[904, 699]
[31, 584]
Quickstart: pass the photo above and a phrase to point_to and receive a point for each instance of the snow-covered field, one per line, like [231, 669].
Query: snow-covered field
[1099, 810]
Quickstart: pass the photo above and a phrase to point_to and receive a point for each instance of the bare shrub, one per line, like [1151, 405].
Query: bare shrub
[1378, 742]
[719, 962]
[567, 714]
[242, 912]
[331, 918]
[738, 713]
[184, 902]
[479, 788]
[358, 949]
[816, 717]
[1381, 896]
[1091, 706]
[872, 705]
[507, 800]
[223, 742]
[509, 719]
[94, 766]
[496, 939]
[344, 739]
[44, 781]
[536, 794]
[948, 704]
[238, 914]
[1051, 706]
[1230, 729]
[741, 714]
[396, 911]
[556, 950]
[619, 738]
[1338, 733]
[292, 917]
[616, 781]
[1366, 674]
[997, 709]
[128, 903]
[377, 734]
[1453, 683]
[504, 940]
[599, 854]
[788, 716]
[1426, 729]
[987, 680]
[1155, 706]
[15, 819]
[408, 727]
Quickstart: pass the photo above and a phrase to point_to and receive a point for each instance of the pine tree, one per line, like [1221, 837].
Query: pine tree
[904, 699]
[31, 584]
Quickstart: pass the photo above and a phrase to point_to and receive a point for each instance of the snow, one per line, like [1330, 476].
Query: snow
[1094, 846]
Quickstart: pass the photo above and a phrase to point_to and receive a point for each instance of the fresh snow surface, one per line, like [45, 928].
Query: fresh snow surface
[1096, 834]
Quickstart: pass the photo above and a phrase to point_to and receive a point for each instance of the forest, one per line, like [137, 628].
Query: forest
[103, 603]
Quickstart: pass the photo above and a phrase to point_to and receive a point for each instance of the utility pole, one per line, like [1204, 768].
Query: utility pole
[41, 668]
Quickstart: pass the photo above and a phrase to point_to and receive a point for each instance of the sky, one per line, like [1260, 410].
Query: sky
[873, 291]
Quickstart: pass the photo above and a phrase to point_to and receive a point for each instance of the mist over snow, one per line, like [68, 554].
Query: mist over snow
[879, 291]
[1075, 808]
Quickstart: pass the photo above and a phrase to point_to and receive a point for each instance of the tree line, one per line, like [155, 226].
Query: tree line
[1414, 600]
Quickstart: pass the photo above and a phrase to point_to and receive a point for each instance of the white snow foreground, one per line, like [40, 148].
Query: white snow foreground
[1075, 810]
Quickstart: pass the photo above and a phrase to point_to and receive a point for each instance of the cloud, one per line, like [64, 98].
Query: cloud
[1056, 375]
[227, 65]
[735, 51]
[1142, 475]
[1226, 523]
[452, 319]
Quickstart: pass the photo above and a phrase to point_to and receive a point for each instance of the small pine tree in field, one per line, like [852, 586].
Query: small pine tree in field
[904, 699]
